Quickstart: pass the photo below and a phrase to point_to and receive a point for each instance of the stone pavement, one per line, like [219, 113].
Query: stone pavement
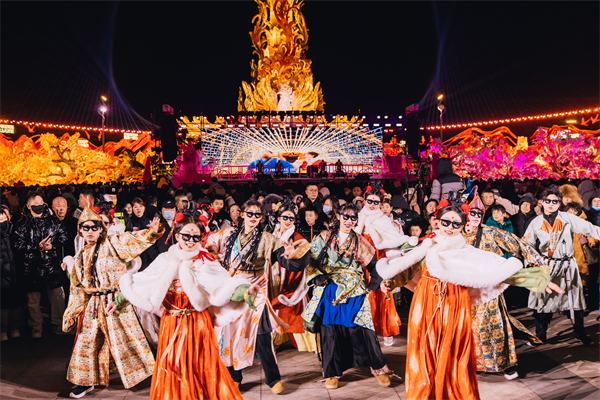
[561, 369]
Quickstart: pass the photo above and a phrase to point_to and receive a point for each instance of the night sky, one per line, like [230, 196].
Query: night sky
[490, 59]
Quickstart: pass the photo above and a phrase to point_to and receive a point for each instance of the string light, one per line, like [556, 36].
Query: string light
[518, 119]
[84, 128]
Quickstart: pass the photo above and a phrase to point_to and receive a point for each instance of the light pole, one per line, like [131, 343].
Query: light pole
[441, 109]
[102, 111]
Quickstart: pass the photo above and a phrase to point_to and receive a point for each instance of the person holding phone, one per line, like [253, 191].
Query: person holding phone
[38, 239]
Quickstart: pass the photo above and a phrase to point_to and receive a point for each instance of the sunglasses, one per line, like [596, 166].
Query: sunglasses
[376, 202]
[253, 215]
[87, 228]
[476, 214]
[188, 238]
[549, 201]
[455, 225]
[350, 217]
[286, 218]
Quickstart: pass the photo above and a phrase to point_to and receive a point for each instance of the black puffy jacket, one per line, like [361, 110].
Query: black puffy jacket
[39, 268]
[12, 295]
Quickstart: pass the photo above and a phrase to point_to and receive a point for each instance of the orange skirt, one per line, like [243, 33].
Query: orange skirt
[188, 364]
[440, 357]
[385, 317]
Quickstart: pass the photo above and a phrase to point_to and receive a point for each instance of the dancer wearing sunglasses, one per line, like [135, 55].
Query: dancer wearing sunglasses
[340, 301]
[248, 251]
[385, 317]
[288, 291]
[552, 235]
[103, 334]
[491, 323]
[180, 286]
[440, 359]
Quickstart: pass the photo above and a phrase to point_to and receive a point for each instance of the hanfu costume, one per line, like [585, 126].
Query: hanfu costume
[440, 359]
[251, 332]
[374, 226]
[288, 293]
[191, 292]
[492, 325]
[348, 338]
[104, 341]
[552, 235]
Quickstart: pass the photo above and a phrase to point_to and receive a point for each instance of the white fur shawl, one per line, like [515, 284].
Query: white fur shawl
[451, 260]
[205, 283]
[381, 229]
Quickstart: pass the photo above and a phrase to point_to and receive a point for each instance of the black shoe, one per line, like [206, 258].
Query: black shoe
[584, 339]
[80, 391]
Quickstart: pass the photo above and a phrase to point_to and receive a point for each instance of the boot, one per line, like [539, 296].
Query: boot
[580, 329]
[542, 320]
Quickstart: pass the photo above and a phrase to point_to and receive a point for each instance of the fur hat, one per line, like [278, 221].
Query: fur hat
[571, 192]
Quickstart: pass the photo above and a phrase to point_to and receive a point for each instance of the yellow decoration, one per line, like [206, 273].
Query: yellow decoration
[52, 160]
[282, 79]
[522, 144]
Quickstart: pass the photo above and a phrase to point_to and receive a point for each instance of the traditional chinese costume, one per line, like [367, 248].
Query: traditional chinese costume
[552, 235]
[348, 337]
[492, 325]
[189, 290]
[103, 339]
[251, 332]
[440, 359]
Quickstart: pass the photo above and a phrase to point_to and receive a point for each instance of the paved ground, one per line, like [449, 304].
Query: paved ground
[561, 369]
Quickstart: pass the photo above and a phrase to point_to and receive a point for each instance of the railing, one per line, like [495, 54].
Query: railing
[244, 172]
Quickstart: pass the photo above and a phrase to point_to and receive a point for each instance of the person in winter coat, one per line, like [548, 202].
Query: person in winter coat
[36, 239]
[12, 294]
[593, 210]
[446, 181]
[525, 215]
[570, 195]
[585, 190]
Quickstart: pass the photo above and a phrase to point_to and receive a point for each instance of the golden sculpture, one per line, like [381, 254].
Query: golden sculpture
[282, 79]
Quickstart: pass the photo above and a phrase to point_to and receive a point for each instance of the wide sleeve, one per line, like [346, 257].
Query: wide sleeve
[511, 244]
[78, 300]
[296, 261]
[535, 279]
[374, 278]
[131, 244]
[582, 226]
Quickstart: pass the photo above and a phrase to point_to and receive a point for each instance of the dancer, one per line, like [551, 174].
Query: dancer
[552, 235]
[288, 289]
[247, 251]
[492, 325]
[181, 285]
[385, 317]
[103, 336]
[440, 355]
[340, 300]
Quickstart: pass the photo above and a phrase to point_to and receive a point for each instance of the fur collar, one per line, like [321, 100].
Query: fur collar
[205, 283]
[285, 236]
[182, 254]
[365, 217]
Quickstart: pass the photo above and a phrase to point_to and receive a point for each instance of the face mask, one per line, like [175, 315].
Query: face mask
[596, 208]
[38, 209]
[169, 214]
[326, 209]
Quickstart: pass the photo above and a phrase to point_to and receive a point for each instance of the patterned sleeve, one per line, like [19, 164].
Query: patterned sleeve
[131, 244]
[365, 252]
[78, 300]
[511, 244]
[535, 279]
